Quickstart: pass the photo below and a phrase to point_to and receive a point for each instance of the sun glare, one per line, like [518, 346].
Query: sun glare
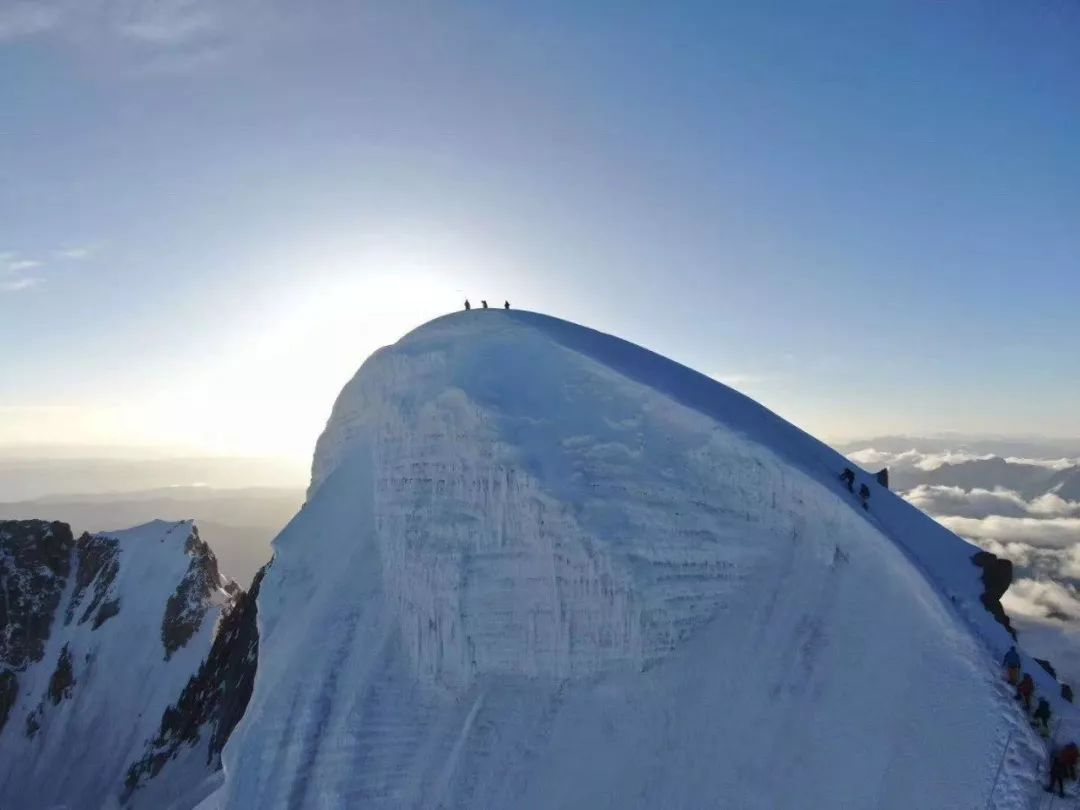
[272, 388]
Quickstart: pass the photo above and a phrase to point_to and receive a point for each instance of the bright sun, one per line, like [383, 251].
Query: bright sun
[271, 389]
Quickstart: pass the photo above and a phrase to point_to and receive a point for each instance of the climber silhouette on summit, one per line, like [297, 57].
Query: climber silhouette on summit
[506, 305]
[468, 306]
[484, 304]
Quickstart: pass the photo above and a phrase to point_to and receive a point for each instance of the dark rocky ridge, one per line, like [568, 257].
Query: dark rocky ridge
[35, 561]
[187, 606]
[214, 699]
[996, 577]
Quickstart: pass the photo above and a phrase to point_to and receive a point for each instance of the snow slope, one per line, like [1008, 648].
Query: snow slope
[134, 621]
[542, 567]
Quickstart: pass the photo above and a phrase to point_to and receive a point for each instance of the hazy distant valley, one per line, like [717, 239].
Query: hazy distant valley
[235, 504]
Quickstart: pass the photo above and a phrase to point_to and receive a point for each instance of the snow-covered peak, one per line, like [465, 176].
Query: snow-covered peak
[128, 619]
[539, 378]
[540, 566]
[135, 568]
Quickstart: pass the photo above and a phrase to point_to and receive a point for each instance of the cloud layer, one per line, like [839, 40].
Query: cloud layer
[985, 503]
[1042, 598]
[927, 461]
[1038, 529]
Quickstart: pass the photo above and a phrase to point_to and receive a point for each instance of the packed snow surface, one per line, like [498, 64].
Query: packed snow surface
[541, 567]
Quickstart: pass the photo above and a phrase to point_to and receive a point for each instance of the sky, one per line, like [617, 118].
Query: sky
[864, 215]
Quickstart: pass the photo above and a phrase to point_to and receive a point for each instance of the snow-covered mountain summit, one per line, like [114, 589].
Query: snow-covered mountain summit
[543, 567]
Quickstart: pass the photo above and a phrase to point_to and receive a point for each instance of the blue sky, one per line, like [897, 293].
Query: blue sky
[865, 215]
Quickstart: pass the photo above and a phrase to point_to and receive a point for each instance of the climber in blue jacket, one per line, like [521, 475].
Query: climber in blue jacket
[1011, 662]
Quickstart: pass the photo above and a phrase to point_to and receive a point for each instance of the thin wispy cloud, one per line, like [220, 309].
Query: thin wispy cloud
[28, 18]
[21, 265]
[18, 284]
[14, 272]
[170, 23]
[158, 36]
[76, 253]
[18, 272]
[162, 22]
[11, 262]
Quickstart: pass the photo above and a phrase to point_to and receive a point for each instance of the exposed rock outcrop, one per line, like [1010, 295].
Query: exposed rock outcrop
[1042, 662]
[9, 690]
[997, 576]
[33, 722]
[35, 560]
[63, 678]
[96, 563]
[187, 606]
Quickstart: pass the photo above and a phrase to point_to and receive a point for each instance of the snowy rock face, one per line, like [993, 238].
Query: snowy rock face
[542, 567]
[100, 635]
[97, 560]
[187, 606]
[212, 701]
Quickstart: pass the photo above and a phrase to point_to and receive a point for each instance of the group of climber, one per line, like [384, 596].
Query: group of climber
[848, 477]
[1063, 760]
[1025, 690]
[484, 304]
